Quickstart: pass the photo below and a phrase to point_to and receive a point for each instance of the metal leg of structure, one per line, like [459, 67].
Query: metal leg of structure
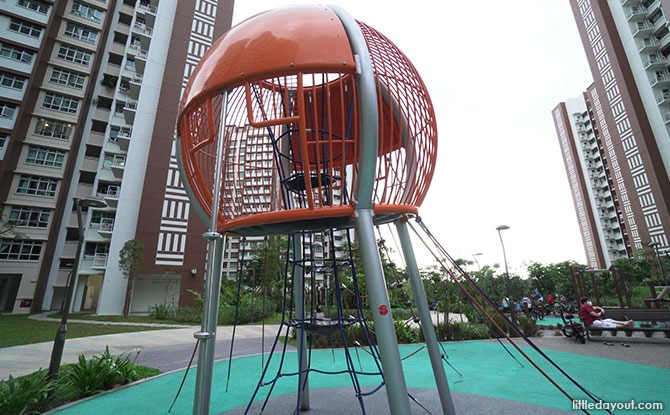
[427, 323]
[210, 311]
[394, 378]
[207, 333]
[299, 299]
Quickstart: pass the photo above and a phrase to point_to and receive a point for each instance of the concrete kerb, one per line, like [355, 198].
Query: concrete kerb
[45, 317]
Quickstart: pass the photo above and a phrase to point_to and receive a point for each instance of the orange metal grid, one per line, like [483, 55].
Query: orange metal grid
[291, 140]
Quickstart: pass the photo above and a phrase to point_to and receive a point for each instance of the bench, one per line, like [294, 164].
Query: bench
[659, 320]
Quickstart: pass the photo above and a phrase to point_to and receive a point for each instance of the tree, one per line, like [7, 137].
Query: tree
[264, 266]
[7, 228]
[131, 258]
[553, 278]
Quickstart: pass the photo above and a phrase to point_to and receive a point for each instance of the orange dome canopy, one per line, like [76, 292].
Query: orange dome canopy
[278, 113]
[305, 38]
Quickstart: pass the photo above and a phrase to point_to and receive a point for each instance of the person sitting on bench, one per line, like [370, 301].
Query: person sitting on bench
[591, 316]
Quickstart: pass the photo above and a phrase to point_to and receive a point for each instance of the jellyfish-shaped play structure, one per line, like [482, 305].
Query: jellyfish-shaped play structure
[304, 119]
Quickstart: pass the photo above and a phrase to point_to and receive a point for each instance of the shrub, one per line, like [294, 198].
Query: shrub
[250, 310]
[162, 312]
[405, 333]
[90, 376]
[26, 395]
[191, 315]
[456, 331]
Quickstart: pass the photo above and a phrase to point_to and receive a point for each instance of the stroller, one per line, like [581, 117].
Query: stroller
[573, 328]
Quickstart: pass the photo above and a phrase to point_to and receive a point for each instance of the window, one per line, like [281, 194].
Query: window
[68, 78]
[81, 33]
[25, 28]
[60, 102]
[16, 53]
[87, 12]
[97, 216]
[37, 186]
[30, 216]
[53, 129]
[10, 80]
[92, 248]
[20, 250]
[43, 156]
[35, 5]
[7, 110]
[74, 54]
[4, 139]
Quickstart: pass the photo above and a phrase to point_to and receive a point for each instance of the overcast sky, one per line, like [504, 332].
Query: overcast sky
[494, 71]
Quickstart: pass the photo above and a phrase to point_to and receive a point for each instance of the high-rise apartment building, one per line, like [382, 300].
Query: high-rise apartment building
[615, 139]
[89, 93]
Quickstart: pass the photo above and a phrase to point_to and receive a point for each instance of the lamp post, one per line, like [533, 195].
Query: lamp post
[512, 305]
[474, 256]
[655, 245]
[61, 333]
[502, 228]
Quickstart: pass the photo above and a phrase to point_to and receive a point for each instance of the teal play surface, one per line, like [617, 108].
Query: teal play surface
[484, 368]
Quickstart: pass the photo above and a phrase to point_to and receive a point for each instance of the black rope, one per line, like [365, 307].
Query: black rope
[237, 308]
[493, 333]
[181, 385]
[482, 294]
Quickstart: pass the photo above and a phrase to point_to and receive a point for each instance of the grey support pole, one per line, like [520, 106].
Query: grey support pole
[299, 299]
[394, 378]
[207, 333]
[426, 321]
[210, 312]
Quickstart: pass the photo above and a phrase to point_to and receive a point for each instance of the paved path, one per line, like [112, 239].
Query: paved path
[167, 350]
[171, 349]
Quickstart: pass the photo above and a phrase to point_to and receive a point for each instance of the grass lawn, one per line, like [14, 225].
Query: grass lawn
[16, 330]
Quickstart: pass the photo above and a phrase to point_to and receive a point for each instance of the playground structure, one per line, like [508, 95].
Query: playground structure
[311, 129]
[343, 134]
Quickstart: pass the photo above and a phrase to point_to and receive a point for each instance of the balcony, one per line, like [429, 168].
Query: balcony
[653, 7]
[139, 55]
[666, 118]
[648, 44]
[118, 165]
[106, 226]
[660, 79]
[135, 86]
[147, 11]
[99, 261]
[663, 99]
[637, 13]
[123, 138]
[129, 111]
[655, 62]
[142, 29]
[643, 28]
[111, 196]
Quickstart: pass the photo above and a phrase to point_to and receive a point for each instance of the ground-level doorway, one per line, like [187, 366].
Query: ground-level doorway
[9, 288]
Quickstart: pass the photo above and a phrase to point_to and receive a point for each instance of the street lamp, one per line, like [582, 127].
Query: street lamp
[655, 245]
[502, 228]
[474, 256]
[61, 333]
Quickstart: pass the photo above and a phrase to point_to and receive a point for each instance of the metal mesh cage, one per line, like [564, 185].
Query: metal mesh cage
[290, 142]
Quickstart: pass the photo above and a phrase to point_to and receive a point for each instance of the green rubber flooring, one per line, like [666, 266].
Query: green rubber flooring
[484, 368]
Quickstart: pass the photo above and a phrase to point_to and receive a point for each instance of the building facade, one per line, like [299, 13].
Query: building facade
[89, 93]
[627, 44]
